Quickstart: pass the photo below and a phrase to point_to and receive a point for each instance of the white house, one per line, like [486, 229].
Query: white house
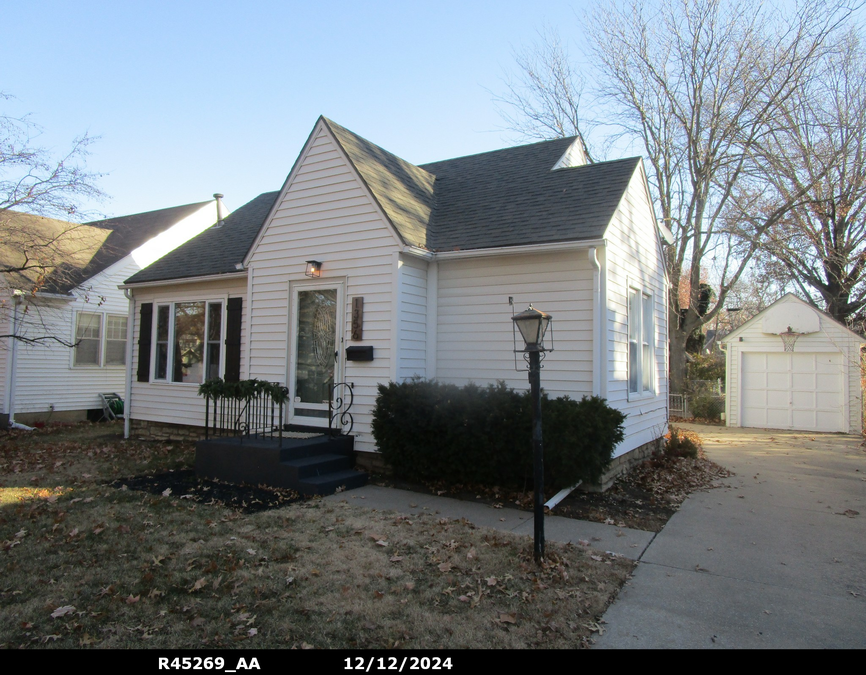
[812, 386]
[419, 265]
[66, 341]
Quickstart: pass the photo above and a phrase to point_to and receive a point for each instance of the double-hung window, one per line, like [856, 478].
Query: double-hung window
[641, 364]
[100, 339]
[188, 341]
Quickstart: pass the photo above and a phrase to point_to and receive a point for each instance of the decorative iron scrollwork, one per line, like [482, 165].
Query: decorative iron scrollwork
[340, 420]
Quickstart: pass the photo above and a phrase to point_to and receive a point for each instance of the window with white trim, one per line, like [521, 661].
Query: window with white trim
[188, 341]
[641, 364]
[100, 339]
[88, 339]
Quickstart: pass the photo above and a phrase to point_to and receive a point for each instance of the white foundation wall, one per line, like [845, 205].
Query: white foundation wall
[327, 214]
[179, 402]
[474, 338]
[633, 258]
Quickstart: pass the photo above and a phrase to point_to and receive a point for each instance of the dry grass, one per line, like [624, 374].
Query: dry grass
[85, 565]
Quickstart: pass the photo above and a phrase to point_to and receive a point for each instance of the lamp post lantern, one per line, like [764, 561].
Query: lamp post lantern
[532, 325]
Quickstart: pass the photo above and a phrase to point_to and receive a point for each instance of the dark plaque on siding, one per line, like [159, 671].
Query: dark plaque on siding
[358, 318]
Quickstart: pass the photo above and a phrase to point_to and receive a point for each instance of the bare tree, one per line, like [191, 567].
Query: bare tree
[40, 241]
[543, 97]
[819, 151]
[700, 84]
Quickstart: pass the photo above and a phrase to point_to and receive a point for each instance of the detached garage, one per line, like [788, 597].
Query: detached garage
[794, 367]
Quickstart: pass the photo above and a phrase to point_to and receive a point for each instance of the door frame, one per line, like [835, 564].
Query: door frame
[295, 287]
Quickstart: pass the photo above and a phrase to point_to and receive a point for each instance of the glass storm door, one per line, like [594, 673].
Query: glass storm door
[315, 353]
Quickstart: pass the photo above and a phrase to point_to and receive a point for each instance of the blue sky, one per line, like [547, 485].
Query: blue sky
[191, 98]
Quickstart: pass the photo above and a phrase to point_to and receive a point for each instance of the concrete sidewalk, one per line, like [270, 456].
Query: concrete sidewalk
[776, 560]
[620, 540]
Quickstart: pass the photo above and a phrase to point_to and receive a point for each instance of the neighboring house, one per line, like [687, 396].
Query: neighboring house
[814, 387]
[69, 316]
[419, 265]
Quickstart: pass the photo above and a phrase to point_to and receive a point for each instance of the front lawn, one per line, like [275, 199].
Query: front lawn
[86, 564]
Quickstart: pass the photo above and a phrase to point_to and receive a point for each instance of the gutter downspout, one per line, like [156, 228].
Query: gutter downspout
[597, 323]
[130, 333]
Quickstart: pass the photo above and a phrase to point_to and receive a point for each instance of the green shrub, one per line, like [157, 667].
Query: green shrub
[682, 443]
[472, 434]
[707, 406]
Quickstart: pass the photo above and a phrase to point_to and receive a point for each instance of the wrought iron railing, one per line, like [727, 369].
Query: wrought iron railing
[340, 420]
[249, 415]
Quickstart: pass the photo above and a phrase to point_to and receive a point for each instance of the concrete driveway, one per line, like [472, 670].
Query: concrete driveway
[777, 559]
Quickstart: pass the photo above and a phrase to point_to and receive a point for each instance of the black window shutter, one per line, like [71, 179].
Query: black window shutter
[144, 331]
[234, 311]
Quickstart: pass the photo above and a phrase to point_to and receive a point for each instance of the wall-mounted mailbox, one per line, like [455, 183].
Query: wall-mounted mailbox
[355, 353]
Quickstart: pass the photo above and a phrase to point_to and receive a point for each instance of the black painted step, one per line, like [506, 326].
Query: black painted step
[330, 483]
[319, 465]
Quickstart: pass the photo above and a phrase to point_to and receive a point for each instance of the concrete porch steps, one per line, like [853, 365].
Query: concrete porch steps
[312, 466]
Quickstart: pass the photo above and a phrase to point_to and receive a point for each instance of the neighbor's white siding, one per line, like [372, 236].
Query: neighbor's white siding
[5, 346]
[831, 338]
[179, 402]
[633, 259]
[326, 214]
[45, 372]
[475, 339]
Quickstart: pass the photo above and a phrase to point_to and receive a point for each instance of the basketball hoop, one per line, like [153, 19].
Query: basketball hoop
[789, 337]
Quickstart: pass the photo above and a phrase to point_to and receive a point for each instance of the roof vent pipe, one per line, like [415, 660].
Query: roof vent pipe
[221, 209]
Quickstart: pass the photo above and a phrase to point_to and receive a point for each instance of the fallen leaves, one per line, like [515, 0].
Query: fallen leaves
[62, 611]
[198, 585]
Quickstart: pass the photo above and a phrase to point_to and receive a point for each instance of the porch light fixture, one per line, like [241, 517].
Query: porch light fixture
[532, 325]
[314, 269]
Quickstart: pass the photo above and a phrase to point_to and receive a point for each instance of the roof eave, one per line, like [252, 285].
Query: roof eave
[183, 280]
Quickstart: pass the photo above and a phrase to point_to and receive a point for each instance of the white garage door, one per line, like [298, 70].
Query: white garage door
[793, 390]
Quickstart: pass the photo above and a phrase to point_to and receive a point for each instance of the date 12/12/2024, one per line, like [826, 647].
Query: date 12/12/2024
[377, 663]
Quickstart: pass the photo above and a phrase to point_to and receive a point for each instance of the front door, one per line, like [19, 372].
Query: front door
[315, 355]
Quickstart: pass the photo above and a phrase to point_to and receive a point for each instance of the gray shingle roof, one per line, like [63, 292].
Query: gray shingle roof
[68, 254]
[217, 250]
[127, 234]
[511, 198]
[403, 190]
[508, 197]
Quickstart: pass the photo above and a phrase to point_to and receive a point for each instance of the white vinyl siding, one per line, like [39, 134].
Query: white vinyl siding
[326, 214]
[46, 373]
[475, 339]
[172, 402]
[412, 341]
[633, 260]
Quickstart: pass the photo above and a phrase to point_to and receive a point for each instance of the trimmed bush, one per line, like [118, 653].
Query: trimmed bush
[432, 431]
[682, 443]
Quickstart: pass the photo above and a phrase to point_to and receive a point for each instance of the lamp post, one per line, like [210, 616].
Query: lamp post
[532, 325]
